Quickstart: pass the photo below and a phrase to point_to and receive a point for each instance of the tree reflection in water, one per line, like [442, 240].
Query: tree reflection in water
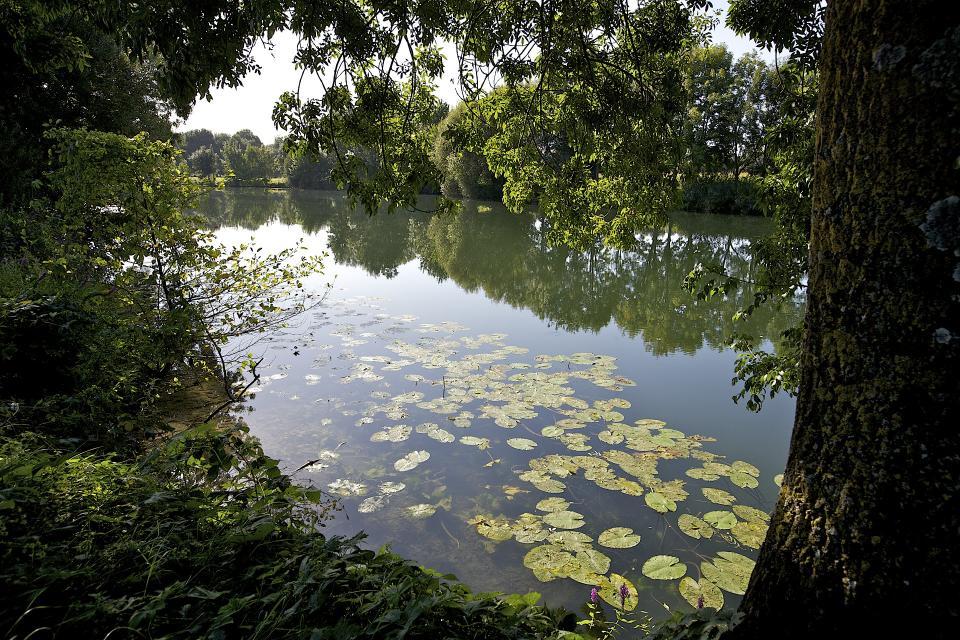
[484, 248]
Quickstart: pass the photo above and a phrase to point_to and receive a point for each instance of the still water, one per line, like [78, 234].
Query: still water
[525, 417]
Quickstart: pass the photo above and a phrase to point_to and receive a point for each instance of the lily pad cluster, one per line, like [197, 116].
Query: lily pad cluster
[466, 382]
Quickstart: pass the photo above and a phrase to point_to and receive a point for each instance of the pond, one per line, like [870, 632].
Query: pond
[525, 417]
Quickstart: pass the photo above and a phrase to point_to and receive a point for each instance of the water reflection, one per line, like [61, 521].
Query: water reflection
[452, 335]
[485, 249]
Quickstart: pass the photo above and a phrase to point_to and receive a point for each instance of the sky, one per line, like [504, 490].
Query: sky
[250, 106]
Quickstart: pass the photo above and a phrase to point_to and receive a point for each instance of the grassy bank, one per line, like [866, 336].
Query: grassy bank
[201, 536]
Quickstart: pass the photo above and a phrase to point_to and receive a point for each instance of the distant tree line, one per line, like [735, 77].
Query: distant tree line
[730, 138]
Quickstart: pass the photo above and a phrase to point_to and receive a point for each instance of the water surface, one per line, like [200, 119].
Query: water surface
[451, 335]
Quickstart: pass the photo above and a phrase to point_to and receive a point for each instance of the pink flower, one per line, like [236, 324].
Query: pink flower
[624, 592]
[594, 595]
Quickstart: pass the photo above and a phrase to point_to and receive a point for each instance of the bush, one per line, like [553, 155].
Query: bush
[205, 538]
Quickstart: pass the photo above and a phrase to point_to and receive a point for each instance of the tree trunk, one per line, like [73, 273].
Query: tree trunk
[866, 534]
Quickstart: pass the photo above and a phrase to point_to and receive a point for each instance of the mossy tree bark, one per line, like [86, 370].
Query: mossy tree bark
[866, 534]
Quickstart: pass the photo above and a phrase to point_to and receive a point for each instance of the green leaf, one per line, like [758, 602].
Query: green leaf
[564, 519]
[692, 591]
[411, 460]
[659, 502]
[694, 527]
[750, 534]
[718, 496]
[553, 504]
[618, 538]
[744, 480]
[523, 444]
[664, 568]
[610, 589]
[720, 519]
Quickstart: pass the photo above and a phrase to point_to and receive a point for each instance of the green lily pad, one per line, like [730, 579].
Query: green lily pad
[729, 571]
[494, 528]
[371, 504]
[778, 479]
[529, 528]
[718, 496]
[693, 591]
[564, 519]
[549, 562]
[750, 514]
[570, 540]
[694, 527]
[523, 444]
[441, 435]
[553, 504]
[610, 592]
[411, 460]
[744, 480]
[618, 538]
[386, 488]
[473, 441]
[396, 433]
[344, 487]
[699, 473]
[720, 519]
[750, 534]
[664, 568]
[745, 467]
[659, 502]
[593, 561]
[421, 511]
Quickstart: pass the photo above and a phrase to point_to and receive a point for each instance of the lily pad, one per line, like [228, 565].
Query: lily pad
[473, 441]
[699, 473]
[618, 592]
[549, 562]
[494, 528]
[371, 504]
[718, 496]
[618, 538]
[344, 487]
[664, 568]
[703, 593]
[659, 502]
[694, 527]
[750, 514]
[421, 511]
[720, 519]
[750, 534]
[570, 540]
[564, 519]
[396, 433]
[523, 444]
[411, 460]
[778, 479]
[730, 571]
[553, 504]
[387, 488]
[745, 467]
[744, 480]
[529, 528]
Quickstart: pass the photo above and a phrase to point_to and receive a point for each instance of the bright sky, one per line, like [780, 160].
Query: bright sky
[251, 105]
